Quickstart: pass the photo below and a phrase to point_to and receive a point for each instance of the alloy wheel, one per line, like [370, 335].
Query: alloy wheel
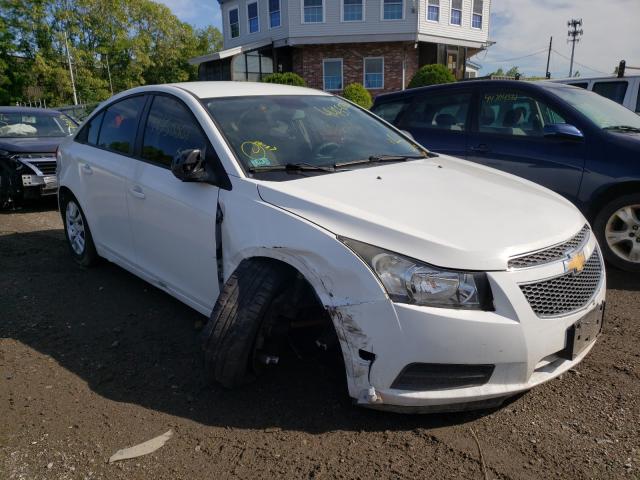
[75, 228]
[622, 233]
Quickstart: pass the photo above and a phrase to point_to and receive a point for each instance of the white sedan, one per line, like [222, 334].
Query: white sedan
[445, 285]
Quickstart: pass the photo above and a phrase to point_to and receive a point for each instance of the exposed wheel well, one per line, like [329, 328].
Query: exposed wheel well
[609, 194]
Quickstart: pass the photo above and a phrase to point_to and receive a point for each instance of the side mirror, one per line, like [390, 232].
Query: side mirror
[190, 166]
[562, 131]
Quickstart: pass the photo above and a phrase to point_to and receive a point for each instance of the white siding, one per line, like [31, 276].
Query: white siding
[334, 30]
[464, 32]
[263, 13]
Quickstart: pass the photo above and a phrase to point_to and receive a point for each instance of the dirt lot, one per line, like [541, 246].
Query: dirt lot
[92, 361]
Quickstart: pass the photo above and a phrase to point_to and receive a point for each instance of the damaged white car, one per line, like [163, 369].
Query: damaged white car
[446, 285]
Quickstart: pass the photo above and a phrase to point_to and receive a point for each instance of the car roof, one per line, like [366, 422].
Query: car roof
[531, 85]
[45, 111]
[587, 79]
[238, 89]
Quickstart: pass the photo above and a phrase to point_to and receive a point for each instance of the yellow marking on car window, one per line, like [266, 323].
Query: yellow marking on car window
[258, 152]
[337, 110]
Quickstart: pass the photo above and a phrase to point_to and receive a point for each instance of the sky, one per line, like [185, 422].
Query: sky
[521, 30]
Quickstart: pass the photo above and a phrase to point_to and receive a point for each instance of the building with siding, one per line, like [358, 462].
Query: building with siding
[332, 43]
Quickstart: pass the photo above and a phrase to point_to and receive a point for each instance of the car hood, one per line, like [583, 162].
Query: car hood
[444, 211]
[30, 145]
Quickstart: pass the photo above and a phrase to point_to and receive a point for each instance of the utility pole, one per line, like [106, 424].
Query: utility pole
[73, 83]
[574, 37]
[548, 73]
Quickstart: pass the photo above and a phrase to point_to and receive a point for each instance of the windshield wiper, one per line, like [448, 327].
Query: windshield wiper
[380, 158]
[623, 128]
[292, 167]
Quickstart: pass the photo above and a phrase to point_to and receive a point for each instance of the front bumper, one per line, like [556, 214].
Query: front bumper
[525, 348]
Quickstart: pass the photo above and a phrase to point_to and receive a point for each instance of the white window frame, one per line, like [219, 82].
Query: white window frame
[461, 10]
[392, 19]
[473, 3]
[364, 13]
[324, 13]
[232, 8]
[364, 72]
[439, 10]
[271, 27]
[325, 60]
[257, 17]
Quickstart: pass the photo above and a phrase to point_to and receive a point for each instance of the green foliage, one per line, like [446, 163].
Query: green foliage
[358, 94]
[138, 41]
[287, 78]
[431, 75]
[512, 72]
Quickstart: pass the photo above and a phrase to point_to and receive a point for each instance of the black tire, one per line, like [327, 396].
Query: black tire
[229, 338]
[87, 255]
[604, 216]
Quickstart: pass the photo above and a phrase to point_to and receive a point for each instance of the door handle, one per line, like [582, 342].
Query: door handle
[86, 169]
[137, 192]
[482, 148]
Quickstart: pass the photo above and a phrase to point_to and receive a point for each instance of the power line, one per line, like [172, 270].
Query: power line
[581, 64]
[505, 60]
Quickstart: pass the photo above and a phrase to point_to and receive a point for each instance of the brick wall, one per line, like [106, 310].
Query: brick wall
[307, 62]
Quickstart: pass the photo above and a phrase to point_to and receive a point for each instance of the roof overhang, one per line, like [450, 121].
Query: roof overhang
[229, 52]
[451, 41]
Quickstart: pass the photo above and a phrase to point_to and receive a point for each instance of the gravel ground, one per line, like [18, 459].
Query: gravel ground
[92, 361]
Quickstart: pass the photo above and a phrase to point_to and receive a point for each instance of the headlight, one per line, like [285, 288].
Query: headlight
[411, 281]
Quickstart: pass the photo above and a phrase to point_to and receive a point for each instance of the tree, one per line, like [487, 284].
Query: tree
[138, 41]
[431, 75]
[358, 95]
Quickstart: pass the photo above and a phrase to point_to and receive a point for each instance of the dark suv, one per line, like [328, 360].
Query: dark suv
[573, 141]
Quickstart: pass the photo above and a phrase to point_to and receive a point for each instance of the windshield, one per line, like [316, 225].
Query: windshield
[603, 112]
[35, 124]
[267, 131]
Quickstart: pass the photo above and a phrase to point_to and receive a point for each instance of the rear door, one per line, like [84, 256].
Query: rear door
[106, 165]
[507, 134]
[174, 222]
[439, 120]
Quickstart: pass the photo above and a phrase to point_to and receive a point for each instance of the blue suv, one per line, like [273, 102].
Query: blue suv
[573, 141]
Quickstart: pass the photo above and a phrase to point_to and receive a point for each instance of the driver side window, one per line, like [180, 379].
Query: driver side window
[170, 128]
[515, 114]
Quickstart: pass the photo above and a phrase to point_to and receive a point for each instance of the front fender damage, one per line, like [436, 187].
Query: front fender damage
[358, 352]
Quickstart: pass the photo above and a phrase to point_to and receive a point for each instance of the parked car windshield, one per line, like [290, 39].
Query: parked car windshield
[267, 131]
[35, 124]
[603, 112]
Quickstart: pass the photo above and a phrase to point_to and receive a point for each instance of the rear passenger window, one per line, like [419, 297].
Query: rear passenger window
[442, 112]
[612, 90]
[514, 113]
[170, 128]
[389, 111]
[89, 133]
[579, 84]
[119, 125]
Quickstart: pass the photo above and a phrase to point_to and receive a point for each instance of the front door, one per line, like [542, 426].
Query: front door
[508, 135]
[174, 222]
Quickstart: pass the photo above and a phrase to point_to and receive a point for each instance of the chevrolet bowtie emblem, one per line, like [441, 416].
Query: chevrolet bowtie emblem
[575, 263]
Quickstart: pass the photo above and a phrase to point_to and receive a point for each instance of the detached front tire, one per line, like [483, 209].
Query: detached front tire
[77, 233]
[617, 227]
[236, 330]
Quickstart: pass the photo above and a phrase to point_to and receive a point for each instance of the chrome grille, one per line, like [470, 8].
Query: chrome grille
[567, 293]
[551, 254]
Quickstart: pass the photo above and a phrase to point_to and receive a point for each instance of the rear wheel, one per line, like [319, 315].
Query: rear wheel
[617, 227]
[77, 232]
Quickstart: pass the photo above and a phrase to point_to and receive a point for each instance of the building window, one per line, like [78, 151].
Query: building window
[234, 23]
[456, 12]
[392, 9]
[374, 73]
[433, 11]
[332, 74]
[252, 15]
[352, 10]
[476, 19]
[274, 13]
[313, 11]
